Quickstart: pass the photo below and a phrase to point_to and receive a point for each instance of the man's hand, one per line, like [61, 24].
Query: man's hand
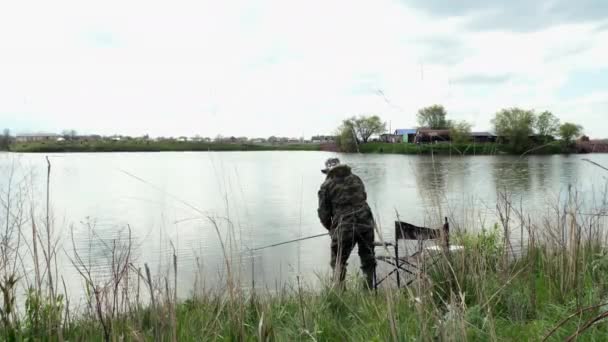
[332, 232]
[327, 224]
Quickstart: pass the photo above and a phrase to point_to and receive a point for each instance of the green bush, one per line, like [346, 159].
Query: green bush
[405, 148]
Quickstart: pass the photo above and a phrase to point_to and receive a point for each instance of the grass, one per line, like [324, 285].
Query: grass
[553, 283]
[521, 300]
[152, 146]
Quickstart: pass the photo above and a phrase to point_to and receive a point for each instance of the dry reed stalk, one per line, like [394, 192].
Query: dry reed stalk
[35, 254]
[304, 325]
[154, 306]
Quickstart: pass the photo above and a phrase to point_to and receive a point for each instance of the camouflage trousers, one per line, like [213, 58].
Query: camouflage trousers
[343, 240]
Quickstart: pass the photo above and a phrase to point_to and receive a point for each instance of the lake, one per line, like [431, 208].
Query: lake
[187, 201]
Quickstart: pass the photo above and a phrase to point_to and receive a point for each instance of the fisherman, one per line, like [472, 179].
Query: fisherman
[344, 211]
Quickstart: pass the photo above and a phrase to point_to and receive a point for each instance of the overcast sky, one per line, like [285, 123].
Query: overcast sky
[260, 68]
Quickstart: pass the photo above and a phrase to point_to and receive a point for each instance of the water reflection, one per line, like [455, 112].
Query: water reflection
[512, 174]
[431, 176]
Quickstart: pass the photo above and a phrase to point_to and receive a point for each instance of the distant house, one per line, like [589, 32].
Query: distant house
[92, 137]
[408, 135]
[318, 139]
[81, 138]
[198, 138]
[258, 140]
[32, 137]
[427, 135]
[391, 138]
[591, 145]
[483, 137]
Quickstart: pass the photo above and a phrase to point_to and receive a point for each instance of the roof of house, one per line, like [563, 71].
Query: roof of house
[405, 131]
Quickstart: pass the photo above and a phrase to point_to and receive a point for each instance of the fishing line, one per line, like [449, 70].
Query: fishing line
[165, 193]
[288, 242]
[203, 213]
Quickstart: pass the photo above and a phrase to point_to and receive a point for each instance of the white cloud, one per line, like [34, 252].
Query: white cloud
[272, 67]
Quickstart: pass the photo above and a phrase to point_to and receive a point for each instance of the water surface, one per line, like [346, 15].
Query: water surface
[188, 201]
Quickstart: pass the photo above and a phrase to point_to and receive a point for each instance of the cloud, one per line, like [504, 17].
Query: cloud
[481, 79]
[272, 68]
[101, 39]
[602, 27]
[441, 49]
[516, 15]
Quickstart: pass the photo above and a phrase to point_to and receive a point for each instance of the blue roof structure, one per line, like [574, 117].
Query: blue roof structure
[405, 131]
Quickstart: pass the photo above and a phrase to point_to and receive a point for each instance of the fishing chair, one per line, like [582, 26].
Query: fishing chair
[413, 265]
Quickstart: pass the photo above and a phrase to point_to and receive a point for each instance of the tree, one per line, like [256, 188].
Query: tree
[433, 117]
[460, 132]
[5, 140]
[69, 134]
[515, 126]
[569, 131]
[346, 137]
[366, 126]
[547, 126]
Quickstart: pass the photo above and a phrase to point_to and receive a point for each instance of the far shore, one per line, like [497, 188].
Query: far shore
[153, 146]
[368, 148]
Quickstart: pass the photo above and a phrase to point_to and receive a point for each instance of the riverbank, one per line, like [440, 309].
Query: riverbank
[177, 146]
[457, 149]
[152, 146]
[476, 295]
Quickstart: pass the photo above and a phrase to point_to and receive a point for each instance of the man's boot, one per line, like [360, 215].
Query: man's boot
[369, 277]
[338, 279]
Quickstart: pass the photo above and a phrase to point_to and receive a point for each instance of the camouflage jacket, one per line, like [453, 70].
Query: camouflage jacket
[342, 199]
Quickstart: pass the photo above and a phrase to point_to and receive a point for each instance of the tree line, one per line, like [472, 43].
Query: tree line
[5, 140]
[519, 129]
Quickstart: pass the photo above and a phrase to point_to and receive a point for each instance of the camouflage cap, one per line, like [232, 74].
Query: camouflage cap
[330, 164]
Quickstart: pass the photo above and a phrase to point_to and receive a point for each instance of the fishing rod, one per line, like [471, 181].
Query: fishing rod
[290, 241]
[596, 164]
